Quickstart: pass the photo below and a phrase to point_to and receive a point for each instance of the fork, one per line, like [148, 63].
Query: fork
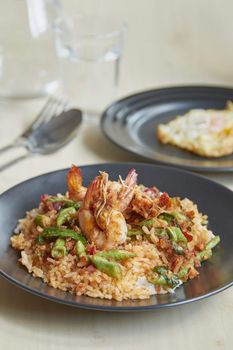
[51, 136]
[50, 110]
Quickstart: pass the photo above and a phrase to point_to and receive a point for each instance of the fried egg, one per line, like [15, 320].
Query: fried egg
[206, 132]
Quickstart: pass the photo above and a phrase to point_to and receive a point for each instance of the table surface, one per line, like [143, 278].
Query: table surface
[160, 51]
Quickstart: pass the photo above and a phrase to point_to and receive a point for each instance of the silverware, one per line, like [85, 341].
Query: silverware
[52, 107]
[50, 136]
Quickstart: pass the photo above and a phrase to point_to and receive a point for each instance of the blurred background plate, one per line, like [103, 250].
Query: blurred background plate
[215, 275]
[131, 124]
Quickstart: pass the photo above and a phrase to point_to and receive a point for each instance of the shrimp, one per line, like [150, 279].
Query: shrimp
[74, 184]
[100, 217]
[144, 204]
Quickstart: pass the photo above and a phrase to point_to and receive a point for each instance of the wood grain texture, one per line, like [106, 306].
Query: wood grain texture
[168, 43]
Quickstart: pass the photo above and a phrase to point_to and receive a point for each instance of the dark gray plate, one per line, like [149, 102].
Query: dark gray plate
[213, 199]
[131, 124]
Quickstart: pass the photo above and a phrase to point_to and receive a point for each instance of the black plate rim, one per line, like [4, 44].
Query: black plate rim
[165, 89]
[115, 308]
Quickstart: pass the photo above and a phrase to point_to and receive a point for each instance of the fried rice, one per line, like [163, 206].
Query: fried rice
[159, 253]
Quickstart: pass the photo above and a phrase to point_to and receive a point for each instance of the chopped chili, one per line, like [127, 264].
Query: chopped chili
[164, 200]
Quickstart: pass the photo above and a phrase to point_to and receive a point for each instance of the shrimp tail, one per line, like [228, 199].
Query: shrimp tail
[88, 199]
[96, 193]
[74, 179]
[74, 183]
[131, 178]
[127, 191]
[101, 193]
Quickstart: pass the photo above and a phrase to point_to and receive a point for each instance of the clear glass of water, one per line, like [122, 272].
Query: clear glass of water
[28, 59]
[89, 50]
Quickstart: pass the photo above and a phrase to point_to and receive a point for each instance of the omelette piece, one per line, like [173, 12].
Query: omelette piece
[206, 132]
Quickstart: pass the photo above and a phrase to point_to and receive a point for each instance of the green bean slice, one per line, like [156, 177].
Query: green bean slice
[59, 249]
[64, 215]
[111, 268]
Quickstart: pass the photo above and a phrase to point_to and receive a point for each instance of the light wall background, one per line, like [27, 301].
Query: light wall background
[170, 41]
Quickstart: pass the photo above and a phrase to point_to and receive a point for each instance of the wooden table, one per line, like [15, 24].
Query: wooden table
[166, 45]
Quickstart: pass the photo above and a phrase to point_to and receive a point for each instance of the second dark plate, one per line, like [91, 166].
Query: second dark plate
[131, 124]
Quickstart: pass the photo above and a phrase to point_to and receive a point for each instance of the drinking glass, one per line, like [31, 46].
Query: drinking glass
[28, 60]
[89, 50]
